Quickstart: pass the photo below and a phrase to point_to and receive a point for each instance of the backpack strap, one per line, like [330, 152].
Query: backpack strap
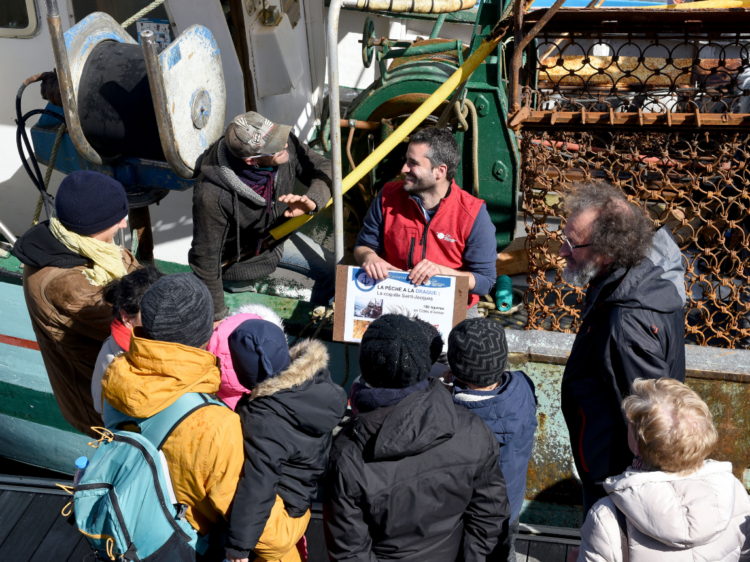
[159, 427]
[622, 524]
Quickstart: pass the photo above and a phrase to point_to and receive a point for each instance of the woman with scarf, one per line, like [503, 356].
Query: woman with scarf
[245, 189]
[67, 262]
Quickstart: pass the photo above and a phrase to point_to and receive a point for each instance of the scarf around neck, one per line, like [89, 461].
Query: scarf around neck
[121, 334]
[260, 180]
[106, 256]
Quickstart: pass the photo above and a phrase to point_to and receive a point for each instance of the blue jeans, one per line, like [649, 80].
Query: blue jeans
[302, 254]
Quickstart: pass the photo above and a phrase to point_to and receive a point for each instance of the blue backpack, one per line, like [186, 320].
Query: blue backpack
[124, 503]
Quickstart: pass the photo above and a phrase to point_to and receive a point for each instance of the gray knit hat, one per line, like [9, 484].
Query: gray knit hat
[478, 352]
[178, 309]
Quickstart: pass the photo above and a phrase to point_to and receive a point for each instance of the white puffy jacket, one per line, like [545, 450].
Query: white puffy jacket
[702, 517]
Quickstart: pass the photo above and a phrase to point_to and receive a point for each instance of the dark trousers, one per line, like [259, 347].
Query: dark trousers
[592, 493]
[505, 551]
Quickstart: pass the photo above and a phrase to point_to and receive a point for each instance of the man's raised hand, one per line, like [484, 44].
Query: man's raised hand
[298, 205]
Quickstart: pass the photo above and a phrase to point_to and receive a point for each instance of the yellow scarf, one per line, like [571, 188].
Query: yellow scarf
[106, 256]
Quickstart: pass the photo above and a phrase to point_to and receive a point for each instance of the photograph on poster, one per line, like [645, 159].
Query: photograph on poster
[368, 307]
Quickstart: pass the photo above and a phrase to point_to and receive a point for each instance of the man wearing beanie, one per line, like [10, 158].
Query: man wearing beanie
[505, 400]
[412, 477]
[204, 452]
[246, 189]
[68, 260]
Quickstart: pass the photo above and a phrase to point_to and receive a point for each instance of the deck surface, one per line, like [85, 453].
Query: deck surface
[33, 530]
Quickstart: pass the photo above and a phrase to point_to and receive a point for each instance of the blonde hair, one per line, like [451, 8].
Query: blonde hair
[673, 426]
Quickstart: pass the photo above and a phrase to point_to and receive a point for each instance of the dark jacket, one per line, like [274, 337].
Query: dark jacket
[225, 210]
[510, 412]
[287, 425]
[633, 326]
[416, 481]
[69, 317]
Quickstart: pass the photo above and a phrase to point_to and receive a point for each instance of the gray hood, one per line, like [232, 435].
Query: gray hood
[678, 511]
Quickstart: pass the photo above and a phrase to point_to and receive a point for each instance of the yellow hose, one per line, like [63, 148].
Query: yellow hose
[704, 5]
[414, 120]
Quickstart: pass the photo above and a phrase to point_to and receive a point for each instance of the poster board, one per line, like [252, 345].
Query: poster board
[360, 300]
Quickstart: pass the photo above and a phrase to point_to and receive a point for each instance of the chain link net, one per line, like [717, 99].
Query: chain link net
[663, 117]
[697, 184]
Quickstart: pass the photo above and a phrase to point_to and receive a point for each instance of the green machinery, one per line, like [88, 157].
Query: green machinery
[490, 162]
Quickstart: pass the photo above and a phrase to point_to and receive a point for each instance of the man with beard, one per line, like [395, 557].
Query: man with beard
[632, 325]
[427, 224]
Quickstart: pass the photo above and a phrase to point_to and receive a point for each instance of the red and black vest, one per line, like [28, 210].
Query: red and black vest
[408, 237]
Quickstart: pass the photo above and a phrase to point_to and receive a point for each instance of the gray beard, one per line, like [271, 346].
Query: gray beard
[582, 275]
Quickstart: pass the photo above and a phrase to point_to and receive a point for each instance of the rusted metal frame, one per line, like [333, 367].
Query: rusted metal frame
[64, 77]
[612, 118]
[159, 97]
[520, 42]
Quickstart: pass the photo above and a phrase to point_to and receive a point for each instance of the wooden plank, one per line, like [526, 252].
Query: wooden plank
[31, 529]
[60, 542]
[546, 552]
[12, 507]
[522, 550]
[82, 553]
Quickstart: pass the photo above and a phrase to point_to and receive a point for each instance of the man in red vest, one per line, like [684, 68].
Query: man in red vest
[427, 224]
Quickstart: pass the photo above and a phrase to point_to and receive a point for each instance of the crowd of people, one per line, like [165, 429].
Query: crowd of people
[426, 457]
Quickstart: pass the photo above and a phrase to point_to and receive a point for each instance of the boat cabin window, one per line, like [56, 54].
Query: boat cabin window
[17, 18]
[122, 10]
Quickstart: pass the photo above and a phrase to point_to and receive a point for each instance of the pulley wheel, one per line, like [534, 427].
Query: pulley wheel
[368, 39]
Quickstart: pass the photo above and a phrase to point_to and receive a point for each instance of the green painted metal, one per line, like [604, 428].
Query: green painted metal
[397, 91]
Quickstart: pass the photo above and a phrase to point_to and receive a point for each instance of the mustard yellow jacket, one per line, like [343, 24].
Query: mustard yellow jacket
[205, 452]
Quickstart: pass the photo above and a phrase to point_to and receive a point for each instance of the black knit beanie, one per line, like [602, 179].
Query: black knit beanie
[178, 309]
[89, 202]
[478, 352]
[397, 351]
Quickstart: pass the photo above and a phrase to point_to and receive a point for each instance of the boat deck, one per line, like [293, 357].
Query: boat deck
[32, 529]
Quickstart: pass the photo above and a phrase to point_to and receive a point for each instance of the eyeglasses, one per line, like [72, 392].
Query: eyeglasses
[570, 244]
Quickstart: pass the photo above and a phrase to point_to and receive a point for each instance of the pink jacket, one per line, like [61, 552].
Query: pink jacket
[231, 390]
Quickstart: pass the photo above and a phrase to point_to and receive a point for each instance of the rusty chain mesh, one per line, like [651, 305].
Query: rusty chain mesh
[697, 184]
[669, 73]
[685, 170]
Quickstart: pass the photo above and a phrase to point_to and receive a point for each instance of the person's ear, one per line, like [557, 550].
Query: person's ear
[250, 161]
[440, 172]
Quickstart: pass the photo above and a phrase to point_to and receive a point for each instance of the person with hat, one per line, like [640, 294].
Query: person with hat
[68, 260]
[288, 413]
[505, 400]
[412, 476]
[166, 360]
[247, 188]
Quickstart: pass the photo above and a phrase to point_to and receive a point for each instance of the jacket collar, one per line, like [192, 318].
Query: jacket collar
[39, 248]
[153, 374]
[308, 357]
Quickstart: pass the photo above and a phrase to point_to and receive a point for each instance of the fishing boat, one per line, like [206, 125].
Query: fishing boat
[519, 88]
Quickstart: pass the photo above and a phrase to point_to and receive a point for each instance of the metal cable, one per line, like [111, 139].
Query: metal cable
[60, 133]
[128, 22]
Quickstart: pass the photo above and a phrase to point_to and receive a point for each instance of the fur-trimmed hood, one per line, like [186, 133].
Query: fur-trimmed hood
[308, 357]
[303, 394]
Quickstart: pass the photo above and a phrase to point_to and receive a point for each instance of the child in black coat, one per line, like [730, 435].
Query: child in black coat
[287, 423]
